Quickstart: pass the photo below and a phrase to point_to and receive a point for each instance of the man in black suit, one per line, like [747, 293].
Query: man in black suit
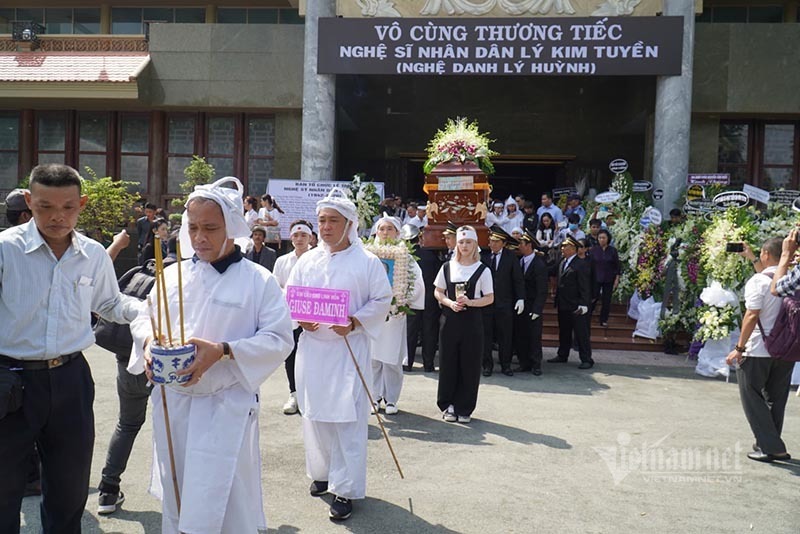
[509, 297]
[572, 301]
[528, 325]
[258, 252]
[430, 261]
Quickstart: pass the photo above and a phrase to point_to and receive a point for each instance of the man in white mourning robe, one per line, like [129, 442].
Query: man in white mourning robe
[332, 399]
[236, 315]
[391, 346]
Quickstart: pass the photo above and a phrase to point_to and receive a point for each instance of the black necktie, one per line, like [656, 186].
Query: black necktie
[494, 260]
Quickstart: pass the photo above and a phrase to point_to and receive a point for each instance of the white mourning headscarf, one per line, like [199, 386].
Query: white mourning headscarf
[338, 200]
[510, 200]
[388, 218]
[231, 203]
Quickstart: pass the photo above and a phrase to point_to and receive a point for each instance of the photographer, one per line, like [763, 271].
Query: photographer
[783, 285]
[763, 380]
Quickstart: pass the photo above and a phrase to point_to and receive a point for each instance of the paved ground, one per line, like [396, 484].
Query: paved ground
[638, 444]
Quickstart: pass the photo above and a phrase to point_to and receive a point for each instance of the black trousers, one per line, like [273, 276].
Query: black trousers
[56, 415]
[528, 341]
[288, 364]
[602, 291]
[133, 392]
[431, 316]
[460, 361]
[764, 385]
[413, 330]
[570, 324]
[498, 324]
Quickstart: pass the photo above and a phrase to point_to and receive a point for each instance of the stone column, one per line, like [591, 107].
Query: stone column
[673, 115]
[319, 102]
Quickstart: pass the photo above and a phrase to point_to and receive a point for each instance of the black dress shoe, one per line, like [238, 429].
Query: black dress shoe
[586, 365]
[760, 456]
[429, 370]
[557, 359]
[522, 369]
[508, 372]
[537, 371]
[487, 372]
[407, 368]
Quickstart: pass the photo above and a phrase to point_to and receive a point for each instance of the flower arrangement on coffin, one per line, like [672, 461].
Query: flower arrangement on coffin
[402, 281]
[365, 196]
[462, 141]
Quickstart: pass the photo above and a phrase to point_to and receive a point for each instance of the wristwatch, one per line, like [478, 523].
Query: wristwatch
[757, 260]
[738, 349]
[226, 351]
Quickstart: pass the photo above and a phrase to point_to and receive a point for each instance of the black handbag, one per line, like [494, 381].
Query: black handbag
[10, 391]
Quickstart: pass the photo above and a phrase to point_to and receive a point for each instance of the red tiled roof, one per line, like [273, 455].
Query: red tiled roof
[71, 67]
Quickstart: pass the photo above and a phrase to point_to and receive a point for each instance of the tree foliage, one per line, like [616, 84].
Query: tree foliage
[109, 207]
[198, 172]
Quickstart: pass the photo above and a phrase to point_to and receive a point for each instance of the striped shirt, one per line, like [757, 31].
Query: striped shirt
[45, 302]
[790, 283]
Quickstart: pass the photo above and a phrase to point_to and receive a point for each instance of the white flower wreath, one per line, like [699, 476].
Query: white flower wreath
[403, 277]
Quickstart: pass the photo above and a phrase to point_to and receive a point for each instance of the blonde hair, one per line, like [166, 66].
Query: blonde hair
[476, 253]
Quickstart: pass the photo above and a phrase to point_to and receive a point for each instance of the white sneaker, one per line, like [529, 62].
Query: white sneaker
[391, 409]
[464, 419]
[450, 414]
[291, 404]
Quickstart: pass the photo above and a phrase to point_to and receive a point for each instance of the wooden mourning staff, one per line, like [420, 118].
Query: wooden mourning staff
[372, 403]
[161, 288]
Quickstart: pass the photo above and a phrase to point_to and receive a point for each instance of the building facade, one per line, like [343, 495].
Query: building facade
[134, 89]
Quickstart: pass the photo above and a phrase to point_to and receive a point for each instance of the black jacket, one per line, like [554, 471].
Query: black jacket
[574, 285]
[430, 261]
[267, 259]
[536, 279]
[507, 279]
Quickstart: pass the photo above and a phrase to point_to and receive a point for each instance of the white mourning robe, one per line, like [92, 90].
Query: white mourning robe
[492, 219]
[214, 423]
[513, 222]
[331, 397]
[391, 346]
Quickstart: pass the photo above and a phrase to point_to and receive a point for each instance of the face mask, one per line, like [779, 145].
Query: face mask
[573, 227]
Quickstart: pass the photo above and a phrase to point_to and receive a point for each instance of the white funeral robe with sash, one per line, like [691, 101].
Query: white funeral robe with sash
[214, 423]
[390, 348]
[333, 402]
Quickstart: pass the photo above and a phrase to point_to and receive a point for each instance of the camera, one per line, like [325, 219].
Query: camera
[734, 247]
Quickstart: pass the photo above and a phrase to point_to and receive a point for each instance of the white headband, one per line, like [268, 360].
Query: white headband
[300, 228]
[467, 234]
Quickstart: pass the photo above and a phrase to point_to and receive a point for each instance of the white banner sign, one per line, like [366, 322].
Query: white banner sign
[298, 199]
[756, 193]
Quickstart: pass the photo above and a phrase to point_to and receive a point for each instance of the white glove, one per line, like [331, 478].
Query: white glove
[583, 310]
[534, 316]
[519, 306]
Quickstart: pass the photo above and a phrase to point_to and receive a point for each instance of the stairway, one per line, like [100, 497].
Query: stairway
[618, 335]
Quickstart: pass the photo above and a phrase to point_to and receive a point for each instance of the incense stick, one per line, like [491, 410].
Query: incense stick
[160, 271]
[180, 293]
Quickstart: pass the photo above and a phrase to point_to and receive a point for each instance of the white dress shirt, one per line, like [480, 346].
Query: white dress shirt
[45, 302]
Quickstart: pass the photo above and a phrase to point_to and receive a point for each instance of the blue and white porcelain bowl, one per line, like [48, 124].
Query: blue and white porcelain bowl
[169, 360]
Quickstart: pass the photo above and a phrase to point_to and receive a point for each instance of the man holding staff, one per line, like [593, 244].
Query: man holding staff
[241, 338]
[332, 398]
